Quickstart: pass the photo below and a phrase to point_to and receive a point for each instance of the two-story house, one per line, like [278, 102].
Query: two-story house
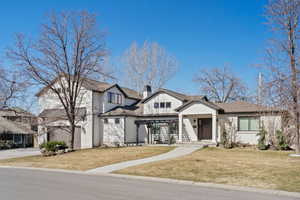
[113, 115]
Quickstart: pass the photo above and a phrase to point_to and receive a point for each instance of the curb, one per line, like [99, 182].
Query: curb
[168, 180]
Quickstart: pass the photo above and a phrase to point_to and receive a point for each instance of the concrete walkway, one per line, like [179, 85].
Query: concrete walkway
[16, 153]
[177, 152]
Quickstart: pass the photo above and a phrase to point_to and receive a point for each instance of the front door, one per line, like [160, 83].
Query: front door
[205, 129]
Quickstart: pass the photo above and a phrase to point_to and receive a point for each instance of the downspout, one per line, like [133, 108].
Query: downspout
[125, 130]
[93, 122]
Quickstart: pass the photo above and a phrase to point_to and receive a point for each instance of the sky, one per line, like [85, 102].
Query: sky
[200, 34]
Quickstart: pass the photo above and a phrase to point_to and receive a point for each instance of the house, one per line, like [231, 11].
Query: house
[109, 114]
[18, 127]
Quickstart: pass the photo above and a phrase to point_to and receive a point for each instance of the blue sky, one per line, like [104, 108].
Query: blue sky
[200, 34]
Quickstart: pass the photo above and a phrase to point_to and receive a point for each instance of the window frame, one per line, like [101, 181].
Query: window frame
[162, 103]
[117, 120]
[249, 122]
[105, 121]
[156, 105]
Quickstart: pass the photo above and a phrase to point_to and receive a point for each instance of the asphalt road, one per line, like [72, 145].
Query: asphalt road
[17, 184]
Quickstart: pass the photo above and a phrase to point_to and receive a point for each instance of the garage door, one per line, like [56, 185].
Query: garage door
[60, 133]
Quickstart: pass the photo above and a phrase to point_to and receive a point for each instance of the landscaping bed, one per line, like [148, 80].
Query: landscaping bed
[88, 158]
[238, 166]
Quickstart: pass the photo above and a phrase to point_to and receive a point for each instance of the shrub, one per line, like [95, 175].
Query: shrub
[262, 140]
[53, 146]
[281, 141]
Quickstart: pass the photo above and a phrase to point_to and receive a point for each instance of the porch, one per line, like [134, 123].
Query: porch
[197, 128]
[158, 131]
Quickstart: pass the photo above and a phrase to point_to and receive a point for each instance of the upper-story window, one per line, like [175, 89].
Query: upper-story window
[168, 105]
[162, 105]
[114, 98]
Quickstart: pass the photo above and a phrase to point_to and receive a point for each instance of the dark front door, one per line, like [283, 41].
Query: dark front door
[204, 129]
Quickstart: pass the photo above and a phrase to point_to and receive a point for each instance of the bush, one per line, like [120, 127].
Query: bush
[281, 141]
[262, 140]
[53, 146]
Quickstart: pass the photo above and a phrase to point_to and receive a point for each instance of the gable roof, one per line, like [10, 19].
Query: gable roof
[99, 86]
[177, 95]
[245, 107]
[207, 103]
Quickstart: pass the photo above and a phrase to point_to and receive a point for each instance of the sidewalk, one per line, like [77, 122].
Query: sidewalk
[179, 151]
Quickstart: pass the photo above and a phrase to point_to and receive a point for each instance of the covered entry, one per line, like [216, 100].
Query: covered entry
[159, 131]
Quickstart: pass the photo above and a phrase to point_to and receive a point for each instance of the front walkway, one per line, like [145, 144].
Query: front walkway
[16, 153]
[179, 151]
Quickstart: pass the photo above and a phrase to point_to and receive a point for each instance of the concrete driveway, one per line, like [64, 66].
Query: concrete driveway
[27, 184]
[16, 153]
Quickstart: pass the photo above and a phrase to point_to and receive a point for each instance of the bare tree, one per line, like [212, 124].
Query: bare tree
[69, 49]
[283, 58]
[13, 85]
[220, 85]
[149, 64]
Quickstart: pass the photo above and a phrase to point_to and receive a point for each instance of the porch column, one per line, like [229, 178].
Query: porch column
[214, 128]
[180, 126]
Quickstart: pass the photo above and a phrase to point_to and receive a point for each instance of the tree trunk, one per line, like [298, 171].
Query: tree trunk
[73, 127]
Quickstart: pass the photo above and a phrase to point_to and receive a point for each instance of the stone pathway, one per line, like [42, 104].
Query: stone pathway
[177, 152]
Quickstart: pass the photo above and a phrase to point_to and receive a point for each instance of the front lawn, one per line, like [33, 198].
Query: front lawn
[243, 167]
[87, 159]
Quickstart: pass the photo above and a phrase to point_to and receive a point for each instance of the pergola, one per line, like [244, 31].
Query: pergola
[150, 123]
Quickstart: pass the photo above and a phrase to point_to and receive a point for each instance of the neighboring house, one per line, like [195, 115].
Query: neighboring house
[113, 115]
[18, 127]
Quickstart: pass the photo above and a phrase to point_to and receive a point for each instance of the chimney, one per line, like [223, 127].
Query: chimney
[147, 91]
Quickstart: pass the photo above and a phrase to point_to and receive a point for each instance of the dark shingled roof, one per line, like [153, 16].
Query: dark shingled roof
[132, 110]
[245, 107]
[99, 86]
[7, 126]
[60, 113]
[15, 111]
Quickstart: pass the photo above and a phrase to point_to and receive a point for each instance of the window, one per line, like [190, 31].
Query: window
[110, 97]
[117, 121]
[114, 98]
[105, 121]
[162, 104]
[248, 123]
[156, 105]
[168, 105]
[119, 99]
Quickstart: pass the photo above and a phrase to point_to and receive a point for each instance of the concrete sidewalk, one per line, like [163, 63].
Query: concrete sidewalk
[16, 153]
[179, 151]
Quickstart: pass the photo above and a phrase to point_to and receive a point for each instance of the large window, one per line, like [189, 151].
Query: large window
[248, 123]
[114, 98]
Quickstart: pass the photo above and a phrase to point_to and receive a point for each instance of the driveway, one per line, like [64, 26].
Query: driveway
[15, 153]
[27, 184]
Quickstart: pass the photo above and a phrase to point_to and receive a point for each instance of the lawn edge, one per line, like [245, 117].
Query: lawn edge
[168, 180]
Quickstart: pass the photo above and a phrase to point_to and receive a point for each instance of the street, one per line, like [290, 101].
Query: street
[26, 184]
